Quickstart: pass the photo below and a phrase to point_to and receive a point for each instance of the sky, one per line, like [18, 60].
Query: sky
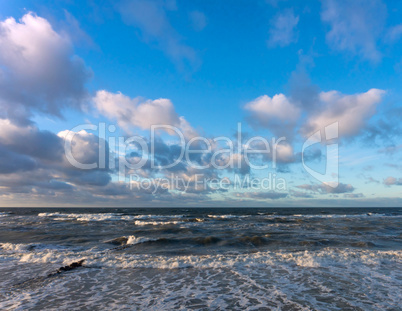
[270, 103]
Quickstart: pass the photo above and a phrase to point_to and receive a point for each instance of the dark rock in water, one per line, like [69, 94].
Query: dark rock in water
[72, 266]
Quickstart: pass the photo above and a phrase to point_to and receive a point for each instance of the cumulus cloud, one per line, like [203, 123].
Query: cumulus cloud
[282, 31]
[351, 111]
[355, 26]
[11, 162]
[282, 115]
[86, 149]
[391, 181]
[136, 112]
[30, 141]
[276, 113]
[40, 155]
[152, 19]
[38, 70]
[277, 107]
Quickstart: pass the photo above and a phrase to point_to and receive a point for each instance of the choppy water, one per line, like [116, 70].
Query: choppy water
[208, 259]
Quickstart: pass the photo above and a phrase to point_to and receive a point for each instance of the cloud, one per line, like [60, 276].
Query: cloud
[40, 155]
[85, 149]
[132, 112]
[198, 20]
[394, 33]
[299, 194]
[353, 195]
[276, 113]
[391, 149]
[371, 180]
[76, 33]
[355, 26]
[282, 31]
[11, 162]
[150, 16]
[30, 141]
[271, 195]
[351, 111]
[391, 181]
[274, 3]
[277, 107]
[38, 70]
[326, 189]
[282, 115]
[136, 112]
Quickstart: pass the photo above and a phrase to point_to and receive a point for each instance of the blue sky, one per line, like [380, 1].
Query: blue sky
[279, 67]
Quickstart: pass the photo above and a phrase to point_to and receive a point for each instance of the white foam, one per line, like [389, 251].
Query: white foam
[10, 247]
[132, 240]
[107, 216]
[87, 216]
[321, 258]
[225, 216]
[157, 223]
[270, 280]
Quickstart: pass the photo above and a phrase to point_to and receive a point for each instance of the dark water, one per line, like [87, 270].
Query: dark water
[256, 259]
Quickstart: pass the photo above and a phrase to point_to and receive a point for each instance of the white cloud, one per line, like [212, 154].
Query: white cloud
[135, 112]
[351, 111]
[278, 114]
[287, 116]
[355, 26]
[265, 108]
[282, 32]
[38, 71]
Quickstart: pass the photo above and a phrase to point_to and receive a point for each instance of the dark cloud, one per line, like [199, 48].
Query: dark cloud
[40, 155]
[31, 141]
[11, 162]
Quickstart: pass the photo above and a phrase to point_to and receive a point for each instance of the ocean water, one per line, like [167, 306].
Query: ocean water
[201, 259]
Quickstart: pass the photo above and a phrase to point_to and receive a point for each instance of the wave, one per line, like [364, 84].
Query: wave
[227, 216]
[86, 216]
[305, 280]
[4, 214]
[111, 217]
[325, 257]
[129, 240]
[340, 215]
[157, 223]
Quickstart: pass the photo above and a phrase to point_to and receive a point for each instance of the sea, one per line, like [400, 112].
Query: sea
[201, 259]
